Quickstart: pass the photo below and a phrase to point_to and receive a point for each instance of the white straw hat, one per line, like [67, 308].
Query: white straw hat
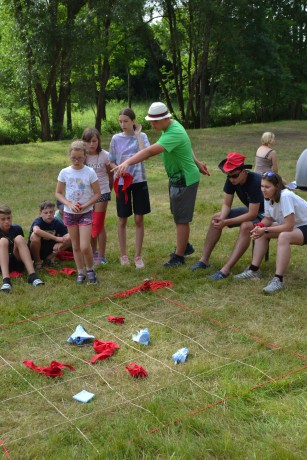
[157, 111]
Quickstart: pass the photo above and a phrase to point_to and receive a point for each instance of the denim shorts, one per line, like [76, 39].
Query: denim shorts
[75, 220]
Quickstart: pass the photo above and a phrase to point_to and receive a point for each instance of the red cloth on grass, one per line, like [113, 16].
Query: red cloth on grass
[64, 271]
[136, 371]
[128, 179]
[116, 319]
[54, 370]
[15, 274]
[104, 350]
[65, 255]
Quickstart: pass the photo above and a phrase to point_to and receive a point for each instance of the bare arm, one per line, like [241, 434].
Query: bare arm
[274, 229]
[142, 155]
[273, 158]
[201, 166]
[46, 235]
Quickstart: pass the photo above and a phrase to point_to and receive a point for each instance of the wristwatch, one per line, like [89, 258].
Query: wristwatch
[266, 230]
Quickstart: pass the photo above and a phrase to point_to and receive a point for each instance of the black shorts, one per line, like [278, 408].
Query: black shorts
[303, 229]
[15, 265]
[238, 211]
[46, 248]
[138, 200]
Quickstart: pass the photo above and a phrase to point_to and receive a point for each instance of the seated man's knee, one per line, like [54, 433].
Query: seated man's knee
[284, 238]
[246, 227]
[19, 240]
[4, 243]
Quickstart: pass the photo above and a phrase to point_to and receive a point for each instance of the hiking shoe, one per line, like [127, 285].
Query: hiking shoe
[139, 262]
[91, 277]
[175, 261]
[188, 250]
[124, 260]
[248, 274]
[35, 280]
[274, 285]
[80, 278]
[6, 287]
[199, 264]
[217, 276]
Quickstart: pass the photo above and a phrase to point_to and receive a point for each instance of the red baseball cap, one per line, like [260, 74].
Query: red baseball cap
[233, 161]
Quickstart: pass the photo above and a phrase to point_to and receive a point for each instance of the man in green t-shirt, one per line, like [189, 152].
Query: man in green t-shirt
[182, 168]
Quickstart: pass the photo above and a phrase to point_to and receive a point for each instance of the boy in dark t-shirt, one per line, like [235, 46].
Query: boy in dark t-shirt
[47, 235]
[14, 252]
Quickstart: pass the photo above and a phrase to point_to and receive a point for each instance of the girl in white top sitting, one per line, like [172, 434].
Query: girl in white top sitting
[285, 218]
[266, 157]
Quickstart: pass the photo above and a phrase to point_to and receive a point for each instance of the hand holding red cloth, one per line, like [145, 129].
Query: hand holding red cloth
[128, 179]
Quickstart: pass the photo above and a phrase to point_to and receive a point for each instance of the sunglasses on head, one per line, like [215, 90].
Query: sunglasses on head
[269, 174]
[234, 176]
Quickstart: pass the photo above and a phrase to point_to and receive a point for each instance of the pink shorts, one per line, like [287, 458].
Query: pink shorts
[74, 220]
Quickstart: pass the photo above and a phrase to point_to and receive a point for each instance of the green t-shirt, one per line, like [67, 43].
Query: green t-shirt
[177, 157]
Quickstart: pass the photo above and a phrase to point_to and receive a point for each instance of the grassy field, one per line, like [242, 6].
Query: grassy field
[242, 392]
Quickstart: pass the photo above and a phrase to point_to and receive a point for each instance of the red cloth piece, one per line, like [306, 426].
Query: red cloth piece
[65, 255]
[51, 271]
[128, 179]
[68, 271]
[15, 274]
[136, 371]
[116, 319]
[104, 350]
[98, 222]
[54, 370]
[147, 285]
[259, 224]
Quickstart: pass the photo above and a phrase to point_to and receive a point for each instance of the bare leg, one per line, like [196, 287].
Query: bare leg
[212, 238]
[102, 242]
[139, 234]
[241, 246]
[22, 252]
[35, 248]
[75, 242]
[121, 230]
[182, 235]
[4, 258]
[285, 239]
[85, 245]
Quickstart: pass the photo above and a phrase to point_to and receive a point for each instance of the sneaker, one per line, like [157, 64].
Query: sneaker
[96, 258]
[6, 287]
[217, 276]
[124, 260]
[139, 262]
[274, 285]
[103, 260]
[80, 278]
[175, 261]
[35, 281]
[248, 275]
[199, 264]
[188, 250]
[91, 277]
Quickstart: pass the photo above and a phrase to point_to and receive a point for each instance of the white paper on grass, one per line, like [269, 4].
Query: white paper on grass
[84, 396]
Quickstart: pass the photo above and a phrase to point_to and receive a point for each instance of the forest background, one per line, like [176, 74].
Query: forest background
[214, 62]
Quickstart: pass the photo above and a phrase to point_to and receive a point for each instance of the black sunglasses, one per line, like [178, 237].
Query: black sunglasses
[234, 176]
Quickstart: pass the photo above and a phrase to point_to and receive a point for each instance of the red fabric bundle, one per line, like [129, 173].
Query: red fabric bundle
[65, 255]
[104, 350]
[259, 224]
[136, 371]
[15, 274]
[64, 271]
[54, 370]
[116, 319]
[128, 179]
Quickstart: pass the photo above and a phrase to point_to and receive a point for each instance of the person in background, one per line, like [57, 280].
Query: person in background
[182, 168]
[131, 198]
[98, 159]
[247, 186]
[14, 252]
[78, 189]
[285, 218]
[266, 157]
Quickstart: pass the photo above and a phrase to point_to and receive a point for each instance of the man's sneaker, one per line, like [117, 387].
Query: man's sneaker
[139, 262]
[91, 277]
[217, 276]
[124, 260]
[273, 286]
[188, 250]
[175, 261]
[35, 280]
[80, 278]
[248, 275]
[6, 287]
[199, 264]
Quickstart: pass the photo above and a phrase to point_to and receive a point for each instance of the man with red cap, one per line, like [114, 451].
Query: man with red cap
[247, 186]
[183, 170]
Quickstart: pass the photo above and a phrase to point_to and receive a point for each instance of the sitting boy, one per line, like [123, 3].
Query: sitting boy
[47, 235]
[14, 252]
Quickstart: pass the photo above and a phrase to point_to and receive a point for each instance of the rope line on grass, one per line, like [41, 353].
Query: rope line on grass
[232, 328]
[237, 395]
[5, 449]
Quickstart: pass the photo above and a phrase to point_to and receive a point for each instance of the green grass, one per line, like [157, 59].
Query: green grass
[219, 323]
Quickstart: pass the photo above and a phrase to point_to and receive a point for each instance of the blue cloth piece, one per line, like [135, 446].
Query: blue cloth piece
[142, 336]
[84, 396]
[181, 355]
[79, 336]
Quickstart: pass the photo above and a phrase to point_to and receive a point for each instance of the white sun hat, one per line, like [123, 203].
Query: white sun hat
[157, 111]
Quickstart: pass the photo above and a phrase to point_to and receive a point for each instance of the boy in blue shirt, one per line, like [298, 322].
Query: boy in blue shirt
[47, 235]
[14, 252]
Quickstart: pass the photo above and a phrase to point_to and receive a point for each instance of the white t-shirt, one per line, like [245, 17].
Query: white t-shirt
[78, 185]
[99, 164]
[289, 203]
